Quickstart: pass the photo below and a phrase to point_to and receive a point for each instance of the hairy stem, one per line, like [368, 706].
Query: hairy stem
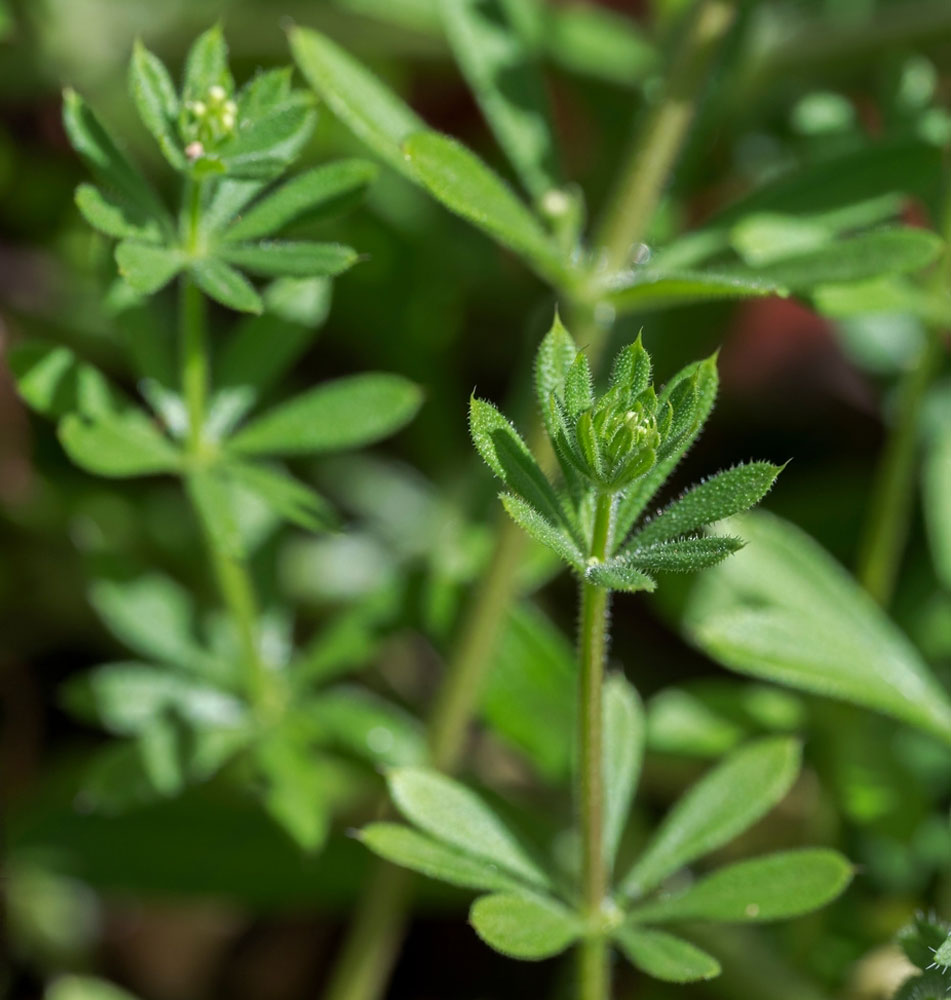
[657, 145]
[592, 649]
[234, 581]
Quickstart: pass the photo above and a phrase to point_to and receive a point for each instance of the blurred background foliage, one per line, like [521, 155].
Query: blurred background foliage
[202, 895]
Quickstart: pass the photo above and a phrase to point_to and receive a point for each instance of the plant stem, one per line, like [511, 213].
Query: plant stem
[893, 490]
[657, 145]
[592, 649]
[194, 362]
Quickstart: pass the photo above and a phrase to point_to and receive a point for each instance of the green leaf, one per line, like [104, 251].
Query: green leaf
[686, 555]
[54, 382]
[367, 726]
[455, 176]
[368, 108]
[501, 71]
[774, 887]
[410, 849]
[206, 65]
[451, 812]
[665, 956]
[296, 790]
[784, 610]
[304, 301]
[211, 498]
[146, 267]
[283, 257]
[617, 574]
[290, 499]
[156, 101]
[224, 284]
[725, 802]
[555, 356]
[346, 413]
[507, 455]
[936, 497]
[264, 148]
[652, 288]
[542, 530]
[126, 697]
[94, 144]
[264, 92]
[524, 926]
[153, 616]
[698, 405]
[723, 495]
[118, 445]
[313, 194]
[528, 698]
[857, 258]
[623, 749]
[84, 988]
[111, 215]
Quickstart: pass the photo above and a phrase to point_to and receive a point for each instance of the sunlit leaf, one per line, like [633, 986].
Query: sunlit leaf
[224, 284]
[118, 445]
[284, 257]
[524, 926]
[665, 956]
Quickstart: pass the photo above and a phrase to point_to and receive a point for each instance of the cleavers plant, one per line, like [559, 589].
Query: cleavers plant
[615, 452]
[233, 691]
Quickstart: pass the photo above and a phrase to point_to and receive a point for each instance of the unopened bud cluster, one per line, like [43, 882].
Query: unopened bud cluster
[209, 121]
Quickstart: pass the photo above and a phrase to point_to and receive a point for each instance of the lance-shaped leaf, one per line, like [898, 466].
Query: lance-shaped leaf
[267, 90]
[617, 574]
[264, 148]
[54, 382]
[724, 803]
[118, 445]
[623, 755]
[224, 284]
[157, 102]
[774, 887]
[299, 259]
[665, 956]
[723, 495]
[784, 610]
[631, 370]
[206, 65]
[684, 555]
[345, 413]
[409, 848]
[365, 105]
[501, 71]
[289, 498]
[648, 289]
[94, 144]
[856, 258]
[451, 812]
[542, 530]
[115, 217]
[211, 498]
[524, 926]
[457, 177]
[507, 455]
[297, 789]
[313, 194]
[146, 267]
[702, 381]
[555, 356]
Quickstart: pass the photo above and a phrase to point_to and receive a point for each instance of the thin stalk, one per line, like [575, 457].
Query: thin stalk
[369, 950]
[659, 140]
[592, 650]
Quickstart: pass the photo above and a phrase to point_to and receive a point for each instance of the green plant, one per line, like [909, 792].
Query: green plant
[615, 452]
[208, 693]
[926, 942]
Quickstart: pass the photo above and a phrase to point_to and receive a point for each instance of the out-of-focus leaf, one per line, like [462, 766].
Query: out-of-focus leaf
[724, 803]
[283, 257]
[288, 497]
[296, 791]
[407, 847]
[210, 497]
[54, 382]
[115, 217]
[157, 102]
[265, 147]
[118, 445]
[451, 812]
[774, 887]
[313, 194]
[346, 413]
[656, 288]
[455, 176]
[936, 495]
[785, 611]
[623, 754]
[885, 295]
[524, 926]
[206, 65]
[224, 284]
[529, 693]
[146, 267]
[84, 988]
[501, 70]
[365, 105]
[665, 956]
